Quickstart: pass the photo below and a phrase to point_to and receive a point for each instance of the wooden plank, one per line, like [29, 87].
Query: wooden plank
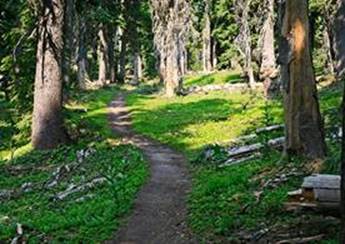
[322, 181]
[327, 195]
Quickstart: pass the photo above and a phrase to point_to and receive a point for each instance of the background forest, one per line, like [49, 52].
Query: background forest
[216, 80]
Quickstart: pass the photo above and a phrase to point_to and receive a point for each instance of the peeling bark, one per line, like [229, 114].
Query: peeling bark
[171, 22]
[304, 128]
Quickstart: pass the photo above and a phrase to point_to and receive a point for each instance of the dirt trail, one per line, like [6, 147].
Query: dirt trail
[160, 212]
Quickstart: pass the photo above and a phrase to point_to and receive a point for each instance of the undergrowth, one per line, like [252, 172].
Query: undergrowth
[90, 215]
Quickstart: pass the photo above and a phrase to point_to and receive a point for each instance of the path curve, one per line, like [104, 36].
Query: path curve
[160, 213]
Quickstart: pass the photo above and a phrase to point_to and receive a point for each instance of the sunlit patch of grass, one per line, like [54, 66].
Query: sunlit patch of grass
[191, 122]
[214, 78]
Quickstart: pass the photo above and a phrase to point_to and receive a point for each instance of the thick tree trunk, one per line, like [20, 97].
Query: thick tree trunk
[47, 125]
[82, 63]
[173, 72]
[69, 47]
[342, 208]
[339, 39]
[304, 130]
[103, 55]
[207, 47]
[268, 69]
[171, 22]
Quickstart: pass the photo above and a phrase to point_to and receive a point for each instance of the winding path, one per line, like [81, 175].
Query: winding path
[159, 215]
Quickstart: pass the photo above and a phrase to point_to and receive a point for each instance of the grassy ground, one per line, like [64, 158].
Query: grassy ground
[91, 215]
[215, 78]
[223, 204]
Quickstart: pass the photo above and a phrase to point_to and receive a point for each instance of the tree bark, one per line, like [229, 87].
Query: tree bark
[111, 54]
[342, 208]
[268, 69]
[122, 58]
[47, 125]
[339, 39]
[137, 68]
[244, 39]
[103, 58]
[214, 54]
[171, 22]
[82, 63]
[304, 128]
[69, 47]
[207, 48]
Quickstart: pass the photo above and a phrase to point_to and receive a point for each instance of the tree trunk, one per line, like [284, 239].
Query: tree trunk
[103, 58]
[268, 69]
[339, 39]
[342, 208]
[122, 59]
[47, 125]
[137, 66]
[214, 54]
[82, 63]
[328, 47]
[244, 39]
[207, 48]
[69, 46]
[171, 22]
[304, 129]
[111, 54]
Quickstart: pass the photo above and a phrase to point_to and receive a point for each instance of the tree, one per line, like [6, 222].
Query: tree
[339, 56]
[103, 55]
[207, 42]
[304, 129]
[171, 23]
[243, 39]
[47, 125]
[268, 69]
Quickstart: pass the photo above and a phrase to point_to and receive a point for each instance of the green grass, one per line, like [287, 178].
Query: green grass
[215, 78]
[74, 219]
[222, 201]
[189, 123]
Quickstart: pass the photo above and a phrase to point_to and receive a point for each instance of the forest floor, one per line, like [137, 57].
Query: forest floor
[241, 203]
[160, 210]
[237, 203]
[78, 193]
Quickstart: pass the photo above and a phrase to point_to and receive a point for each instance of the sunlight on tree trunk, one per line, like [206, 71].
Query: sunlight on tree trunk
[304, 129]
[268, 69]
[47, 125]
[170, 25]
[207, 48]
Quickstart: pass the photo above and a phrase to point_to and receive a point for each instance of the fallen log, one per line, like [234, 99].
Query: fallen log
[302, 239]
[245, 150]
[233, 161]
[75, 189]
[270, 128]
